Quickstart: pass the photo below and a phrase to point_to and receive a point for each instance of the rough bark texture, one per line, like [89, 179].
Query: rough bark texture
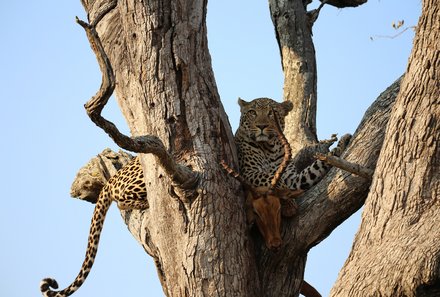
[397, 248]
[336, 205]
[293, 32]
[327, 204]
[166, 89]
[344, 3]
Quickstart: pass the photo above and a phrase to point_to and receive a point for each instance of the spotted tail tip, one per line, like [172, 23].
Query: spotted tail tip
[48, 283]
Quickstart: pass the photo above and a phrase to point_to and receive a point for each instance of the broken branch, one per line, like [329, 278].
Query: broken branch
[345, 3]
[345, 165]
[181, 175]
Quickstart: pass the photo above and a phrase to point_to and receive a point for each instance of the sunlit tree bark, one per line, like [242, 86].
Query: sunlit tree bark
[397, 248]
[195, 229]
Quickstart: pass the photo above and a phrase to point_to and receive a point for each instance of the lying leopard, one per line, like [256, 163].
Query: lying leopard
[128, 189]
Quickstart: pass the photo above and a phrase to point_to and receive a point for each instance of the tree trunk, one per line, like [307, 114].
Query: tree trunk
[293, 32]
[397, 248]
[165, 87]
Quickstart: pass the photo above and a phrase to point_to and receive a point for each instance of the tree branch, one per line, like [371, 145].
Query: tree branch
[313, 14]
[181, 175]
[329, 203]
[344, 3]
[345, 165]
[295, 43]
[340, 194]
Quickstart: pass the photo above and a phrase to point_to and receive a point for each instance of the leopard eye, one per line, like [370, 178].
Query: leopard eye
[252, 113]
[270, 114]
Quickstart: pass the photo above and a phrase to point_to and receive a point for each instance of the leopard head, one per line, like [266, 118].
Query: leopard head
[258, 118]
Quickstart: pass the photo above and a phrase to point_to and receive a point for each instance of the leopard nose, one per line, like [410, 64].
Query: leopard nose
[262, 127]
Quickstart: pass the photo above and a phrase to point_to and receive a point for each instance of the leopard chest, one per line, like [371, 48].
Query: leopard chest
[259, 157]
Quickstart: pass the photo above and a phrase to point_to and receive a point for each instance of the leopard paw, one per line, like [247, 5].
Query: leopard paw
[342, 145]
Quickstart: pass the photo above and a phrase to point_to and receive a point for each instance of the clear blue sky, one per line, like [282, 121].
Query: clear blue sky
[48, 72]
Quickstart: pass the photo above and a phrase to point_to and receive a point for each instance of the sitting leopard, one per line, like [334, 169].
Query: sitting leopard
[260, 152]
[128, 189]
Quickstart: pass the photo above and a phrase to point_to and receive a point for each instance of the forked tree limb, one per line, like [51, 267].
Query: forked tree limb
[330, 202]
[181, 175]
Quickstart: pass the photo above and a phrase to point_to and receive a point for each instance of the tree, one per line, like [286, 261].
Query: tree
[155, 56]
[397, 248]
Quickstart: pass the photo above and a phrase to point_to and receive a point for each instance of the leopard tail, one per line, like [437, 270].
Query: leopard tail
[101, 208]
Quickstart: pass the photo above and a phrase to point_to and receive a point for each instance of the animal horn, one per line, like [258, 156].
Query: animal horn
[287, 154]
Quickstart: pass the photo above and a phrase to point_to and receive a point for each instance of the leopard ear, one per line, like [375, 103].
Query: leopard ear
[242, 103]
[287, 106]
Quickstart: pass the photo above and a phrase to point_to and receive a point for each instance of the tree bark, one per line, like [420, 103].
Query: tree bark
[397, 248]
[165, 87]
[293, 33]
[326, 205]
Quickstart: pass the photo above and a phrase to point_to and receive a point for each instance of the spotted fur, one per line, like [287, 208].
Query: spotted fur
[260, 151]
[128, 189]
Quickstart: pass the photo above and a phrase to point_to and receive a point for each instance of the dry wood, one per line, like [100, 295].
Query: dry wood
[327, 204]
[166, 88]
[345, 165]
[297, 51]
[181, 175]
[396, 251]
[344, 3]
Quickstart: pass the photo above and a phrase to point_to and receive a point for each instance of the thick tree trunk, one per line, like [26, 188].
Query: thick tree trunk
[397, 248]
[165, 87]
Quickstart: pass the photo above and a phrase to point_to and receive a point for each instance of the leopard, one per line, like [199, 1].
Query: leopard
[127, 188]
[260, 154]
[260, 151]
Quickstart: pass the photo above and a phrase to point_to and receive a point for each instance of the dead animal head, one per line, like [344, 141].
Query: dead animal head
[267, 208]
[267, 213]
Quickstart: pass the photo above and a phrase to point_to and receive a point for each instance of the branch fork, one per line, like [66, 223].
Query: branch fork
[181, 175]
